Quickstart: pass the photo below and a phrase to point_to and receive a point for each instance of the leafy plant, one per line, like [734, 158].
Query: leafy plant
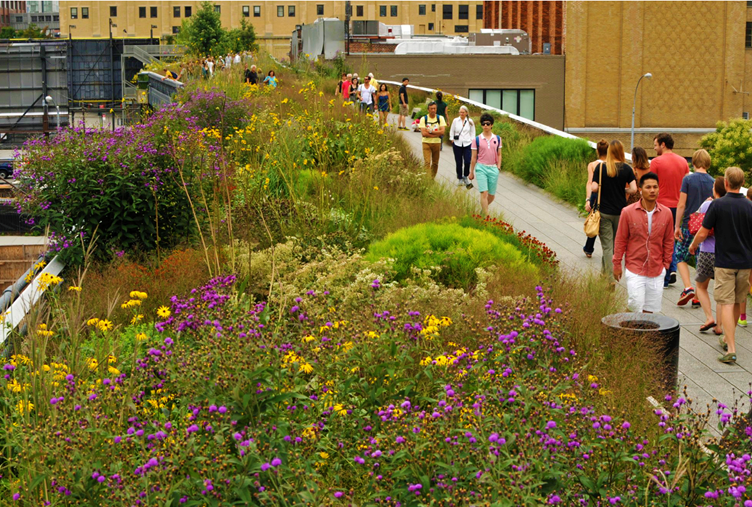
[730, 145]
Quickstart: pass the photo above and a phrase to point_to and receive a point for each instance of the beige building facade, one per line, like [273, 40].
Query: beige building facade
[274, 21]
[699, 55]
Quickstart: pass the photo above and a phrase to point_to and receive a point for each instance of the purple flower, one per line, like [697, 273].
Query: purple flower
[276, 462]
[550, 425]
[265, 467]
[338, 494]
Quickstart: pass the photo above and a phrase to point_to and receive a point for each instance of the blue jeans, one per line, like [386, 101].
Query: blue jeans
[672, 268]
[462, 157]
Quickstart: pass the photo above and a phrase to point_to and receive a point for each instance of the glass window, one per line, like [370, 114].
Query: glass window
[509, 102]
[55, 17]
[461, 28]
[448, 13]
[422, 10]
[142, 12]
[280, 11]
[359, 11]
[34, 19]
[393, 11]
[749, 3]
[527, 104]
[433, 7]
[382, 10]
[188, 11]
[430, 26]
[218, 9]
[747, 38]
[46, 18]
[246, 11]
[74, 15]
[175, 29]
[256, 11]
[319, 10]
[479, 11]
[19, 19]
[476, 95]
[463, 12]
[152, 12]
[291, 11]
[113, 11]
[176, 12]
[493, 98]
[84, 13]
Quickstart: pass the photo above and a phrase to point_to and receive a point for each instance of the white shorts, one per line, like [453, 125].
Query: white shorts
[645, 294]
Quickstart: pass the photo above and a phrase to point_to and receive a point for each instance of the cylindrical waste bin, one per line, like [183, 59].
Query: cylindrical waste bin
[663, 331]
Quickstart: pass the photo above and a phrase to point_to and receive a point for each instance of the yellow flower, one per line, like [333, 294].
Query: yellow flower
[92, 322]
[24, 406]
[104, 325]
[163, 312]
[73, 287]
[93, 363]
[138, 295]
[324, 455]
[137, 318]
[141, 337]
[308, 338]
[113, 370]
[306, 368]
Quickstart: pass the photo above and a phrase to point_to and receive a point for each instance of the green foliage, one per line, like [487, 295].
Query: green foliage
[30, 32]
[7, 32]
[456, 250]
[730, 146]
[203, 31]
[240, 39]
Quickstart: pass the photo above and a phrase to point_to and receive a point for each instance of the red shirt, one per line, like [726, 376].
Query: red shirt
[671, 169]
[346, 89]
[646, 254]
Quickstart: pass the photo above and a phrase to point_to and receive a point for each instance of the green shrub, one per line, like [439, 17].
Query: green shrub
[730, 145]
[456, 250]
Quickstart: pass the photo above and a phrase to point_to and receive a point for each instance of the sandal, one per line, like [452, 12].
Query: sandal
[728, 358]
[722, 342]
[707, 327]
[718, 333]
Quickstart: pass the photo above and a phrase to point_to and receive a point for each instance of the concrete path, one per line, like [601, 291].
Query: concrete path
[559, 226]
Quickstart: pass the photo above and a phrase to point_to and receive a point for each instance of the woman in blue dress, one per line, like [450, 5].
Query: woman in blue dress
[385, 104]
[271, 79]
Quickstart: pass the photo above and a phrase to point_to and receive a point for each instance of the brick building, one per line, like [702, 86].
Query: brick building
[8, 9]
[542, 20]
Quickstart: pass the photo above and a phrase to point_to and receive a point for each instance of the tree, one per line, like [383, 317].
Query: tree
[7, 32]
[203, 31]
[730, 145]
[32, 32]
[240, 39]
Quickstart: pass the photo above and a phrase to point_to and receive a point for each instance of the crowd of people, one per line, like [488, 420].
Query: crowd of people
[208, 67]
[657, 216]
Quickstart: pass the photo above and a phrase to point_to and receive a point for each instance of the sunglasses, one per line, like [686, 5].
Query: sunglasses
[486, 123]
[368, 79]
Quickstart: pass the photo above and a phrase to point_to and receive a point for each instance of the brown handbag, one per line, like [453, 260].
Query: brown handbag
[593, 221]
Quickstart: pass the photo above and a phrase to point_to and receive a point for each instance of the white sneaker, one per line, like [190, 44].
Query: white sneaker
[461, 183]
[465, 181]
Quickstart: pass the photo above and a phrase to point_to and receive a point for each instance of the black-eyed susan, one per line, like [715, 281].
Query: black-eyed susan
[163, 312]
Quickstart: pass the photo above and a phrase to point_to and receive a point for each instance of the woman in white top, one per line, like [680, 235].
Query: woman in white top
[462, 134]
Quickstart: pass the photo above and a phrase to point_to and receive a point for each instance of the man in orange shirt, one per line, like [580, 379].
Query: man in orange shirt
[671, 169]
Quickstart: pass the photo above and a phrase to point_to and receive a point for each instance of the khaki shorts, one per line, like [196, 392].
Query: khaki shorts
[731, 286]
[403, 110]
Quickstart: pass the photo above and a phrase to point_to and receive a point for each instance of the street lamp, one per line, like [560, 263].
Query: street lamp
[151, 34]
[49, 99]
[634, 106]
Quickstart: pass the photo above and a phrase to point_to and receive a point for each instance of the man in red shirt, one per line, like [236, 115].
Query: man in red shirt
[646, 237]
[671, 169]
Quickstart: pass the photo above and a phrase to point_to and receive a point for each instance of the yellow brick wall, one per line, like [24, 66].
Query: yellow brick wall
[695, 51]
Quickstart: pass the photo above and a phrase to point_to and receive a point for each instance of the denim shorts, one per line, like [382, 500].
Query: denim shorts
[487, 177]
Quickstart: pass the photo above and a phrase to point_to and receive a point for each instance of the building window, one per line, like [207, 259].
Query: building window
[188, 11]
[749, 3]
[19, 19]
[113, 11]
[74, 15]
[246, 11]
[479, 11]
[142, 12]
[152, 12]
[463, 12]
[176, 12]
[319, 10]
[55, 17]
[175, 29]
[48, 18]
[448, 13]
[84, 13]
[519, 102]
[748, 36]
[382, 10]
[280, 11]
[461, 28]
[422, 10]
[433, 7]
[430, 27]
[393, 11]
[359, 11]
[33, 19]
[290, 11]
[256, 11]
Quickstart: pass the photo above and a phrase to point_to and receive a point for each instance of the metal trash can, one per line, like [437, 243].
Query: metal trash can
[660, 329]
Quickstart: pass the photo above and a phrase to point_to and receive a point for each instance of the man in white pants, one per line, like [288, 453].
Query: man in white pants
[645, 237]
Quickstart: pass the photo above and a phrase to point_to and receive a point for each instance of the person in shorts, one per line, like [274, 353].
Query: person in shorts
[730, 218]
[645, 240]
[486, 162]
[432, 127]
[403, 104]
[705, 265]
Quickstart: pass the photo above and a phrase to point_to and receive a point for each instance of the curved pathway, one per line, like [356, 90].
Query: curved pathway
[559, 226]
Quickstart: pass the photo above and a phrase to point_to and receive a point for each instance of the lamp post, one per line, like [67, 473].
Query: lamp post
[49, 99]
[151, 34]
[634, 106]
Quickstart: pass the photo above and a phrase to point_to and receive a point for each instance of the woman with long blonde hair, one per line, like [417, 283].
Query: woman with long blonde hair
[616, 177]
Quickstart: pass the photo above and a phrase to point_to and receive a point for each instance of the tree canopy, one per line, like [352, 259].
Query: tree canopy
[204, 35]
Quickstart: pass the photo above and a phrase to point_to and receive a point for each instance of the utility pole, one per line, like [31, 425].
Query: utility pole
[348, 14]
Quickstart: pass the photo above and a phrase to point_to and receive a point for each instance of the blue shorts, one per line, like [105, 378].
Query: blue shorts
[487, 176]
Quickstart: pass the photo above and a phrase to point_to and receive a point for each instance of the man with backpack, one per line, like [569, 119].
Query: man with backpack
[432, 127]
[486, 162]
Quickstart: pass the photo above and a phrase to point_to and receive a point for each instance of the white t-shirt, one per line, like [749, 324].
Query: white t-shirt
[650, 220]
[210, 64]
[237, 58]
[366, 93]
[465, 129]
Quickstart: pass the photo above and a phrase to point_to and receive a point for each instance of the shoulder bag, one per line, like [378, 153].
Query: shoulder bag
[695, 223]
[593, 221]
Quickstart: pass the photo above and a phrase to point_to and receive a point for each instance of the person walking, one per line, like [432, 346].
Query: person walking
[441, 111]
[385, 104]
[366, 91]
[742, 322]
[271, 79]
[705, 268]
[645, 240]
[346, 87]
[374, 83]
[590, 197]
[695, 188]
[252, 77]
[354, 84]
[730, 217]
[640, 166]
[462, 133]
[671, 169]
[403, 102]
[615, 175]
[486, 162]
[432, 127]
[339, 91]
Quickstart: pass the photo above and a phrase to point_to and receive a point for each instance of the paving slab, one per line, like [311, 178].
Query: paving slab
[559, 226]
